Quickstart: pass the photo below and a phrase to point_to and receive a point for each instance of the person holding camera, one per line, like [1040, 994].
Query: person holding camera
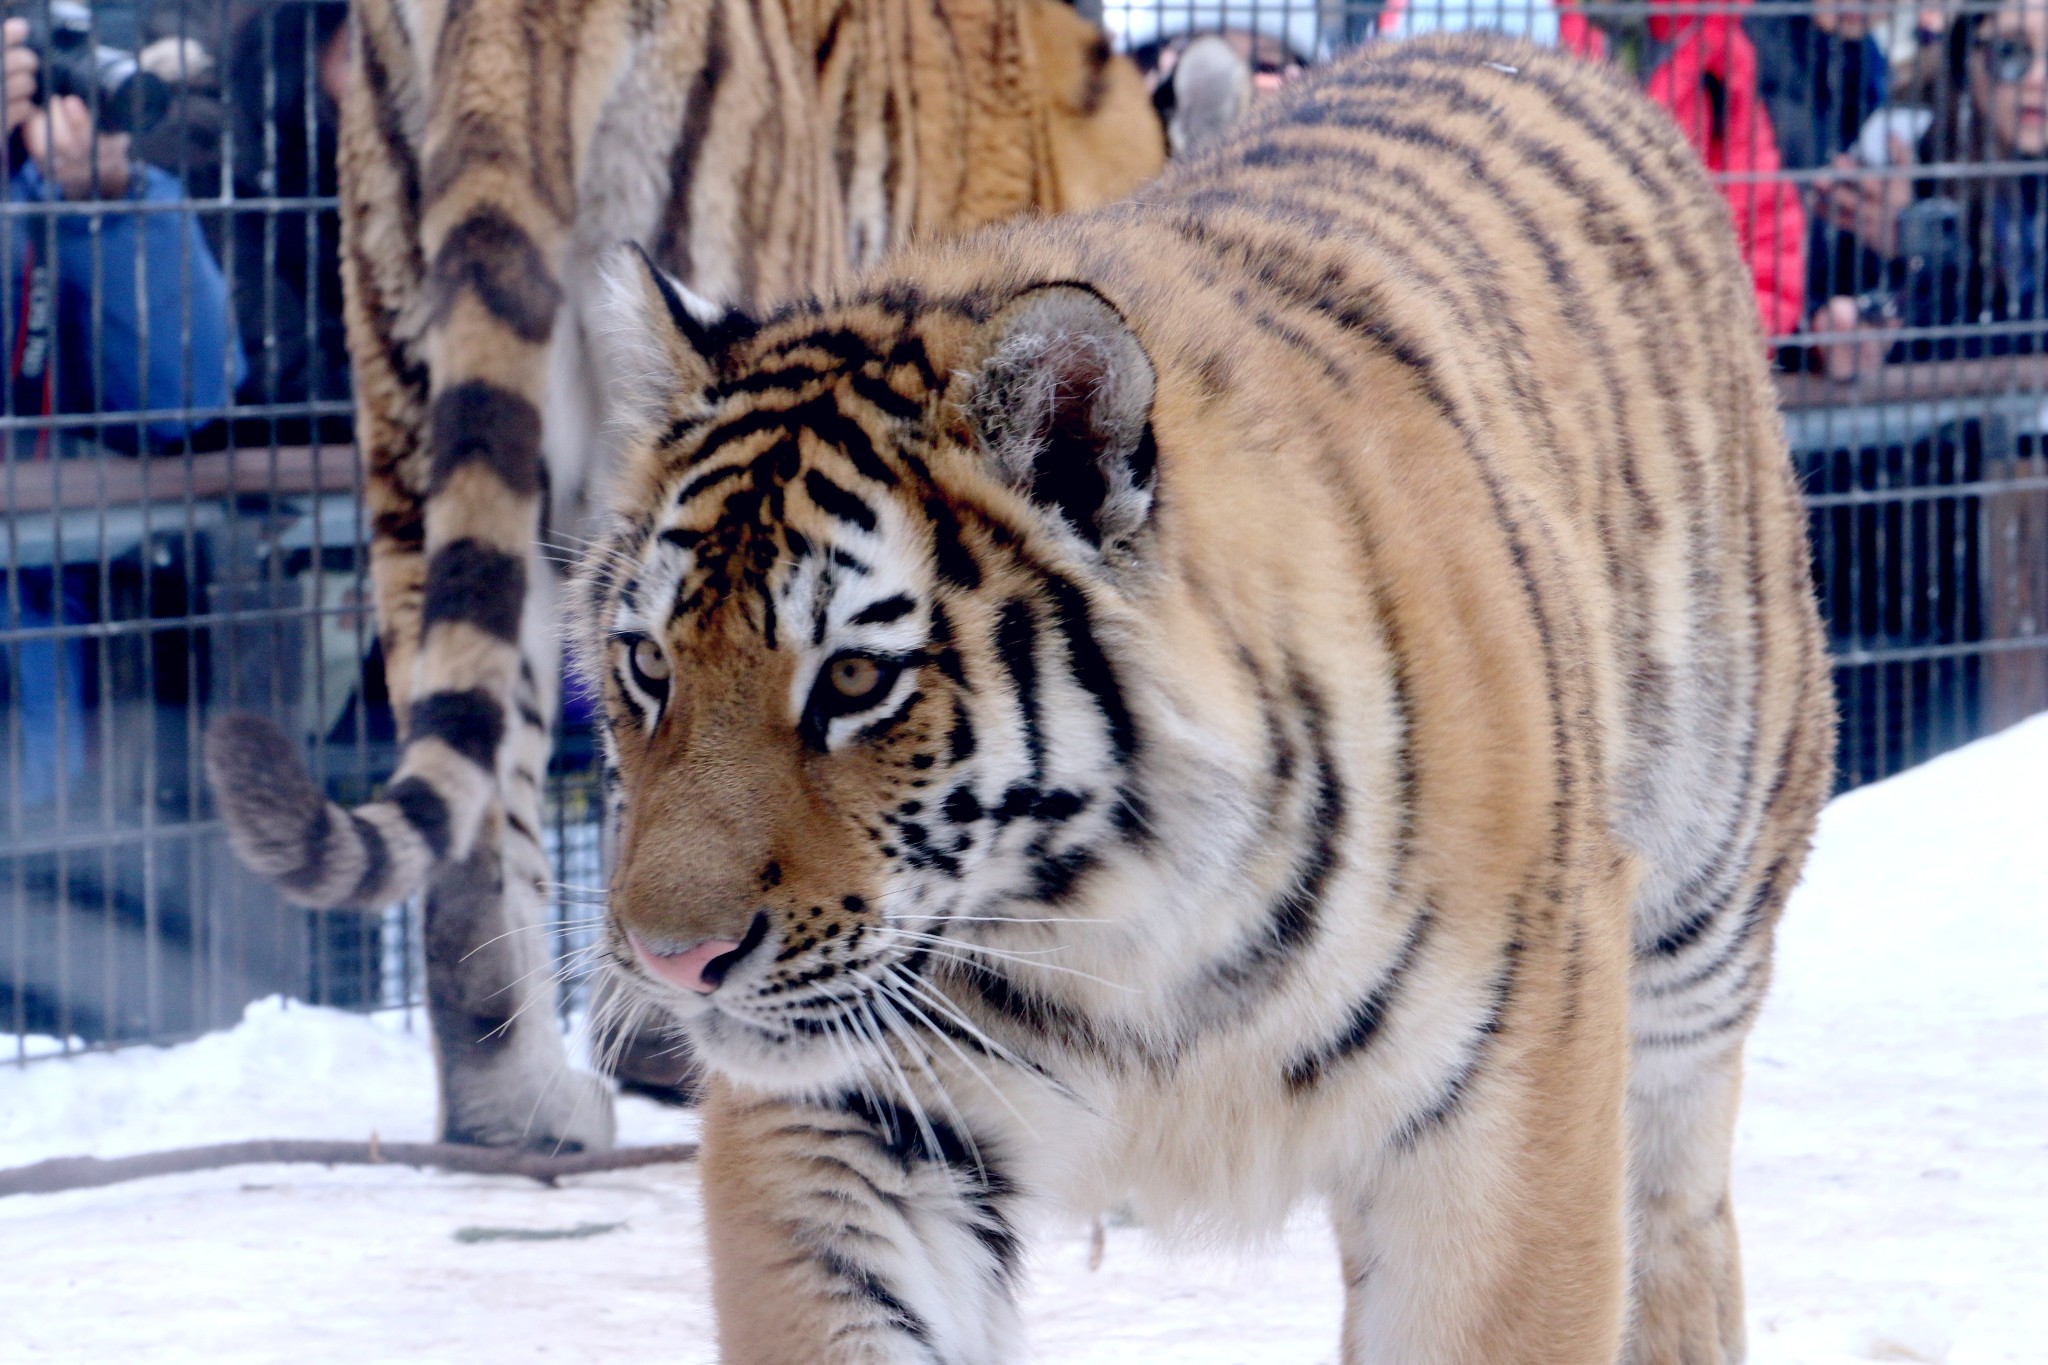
[110, 312]
[1993, 248]
[1971, 250]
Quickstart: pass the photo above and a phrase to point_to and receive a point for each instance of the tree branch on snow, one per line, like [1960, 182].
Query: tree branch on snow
[87, 1172]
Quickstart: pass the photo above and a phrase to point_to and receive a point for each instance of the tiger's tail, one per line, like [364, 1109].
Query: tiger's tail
[497, 202]
[322, 854]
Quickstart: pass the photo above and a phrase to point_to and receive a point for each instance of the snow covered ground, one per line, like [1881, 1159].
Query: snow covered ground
[1892, 1166]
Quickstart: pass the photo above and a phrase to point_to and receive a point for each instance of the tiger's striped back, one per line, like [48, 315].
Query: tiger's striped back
[1304, 684]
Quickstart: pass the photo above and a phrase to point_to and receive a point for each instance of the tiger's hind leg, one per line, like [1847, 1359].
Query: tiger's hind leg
[505, 1075]
[1687, 1267]
[1694, 995]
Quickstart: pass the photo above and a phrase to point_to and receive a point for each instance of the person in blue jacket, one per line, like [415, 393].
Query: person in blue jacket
[85, 329]
[107, 312]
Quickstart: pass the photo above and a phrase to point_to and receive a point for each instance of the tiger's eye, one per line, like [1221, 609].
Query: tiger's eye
[649, 661]
[855, 676]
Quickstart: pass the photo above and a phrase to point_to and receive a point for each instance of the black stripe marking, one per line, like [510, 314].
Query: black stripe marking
[471, 723]
[820, 416]
[1687, 932]
[673, 243]
[711, 479]
[1738, 940]
[1458, 1085]
[633, 707]
[881, 729]
[905, 1141]
[491, 256]
[1363, 1024]
[403, 527]
[836, 502]
[1749, 1003]
[312, 868]
[376, 860]
[480, 423]
[392, 135]
[868, 1285]
[1054, 875]
[882, 612]
[1016, 644]
[950, 556]
[992, 1226]
[1035, 1014]
[1601, 226]
[1091, 666]
[1296, 914]
[983, 1187]
[1600, 128]
[1353, 305]
[472, 583]
[793, 379]
[960, 740]
[824, 419]
[424, 810]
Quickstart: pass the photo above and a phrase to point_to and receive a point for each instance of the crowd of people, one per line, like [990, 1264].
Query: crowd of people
[1883, 162]
[1881, 180]
[1884, 169]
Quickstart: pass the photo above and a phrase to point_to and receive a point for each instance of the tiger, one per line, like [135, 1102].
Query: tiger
[1298, 687]
[490, 151]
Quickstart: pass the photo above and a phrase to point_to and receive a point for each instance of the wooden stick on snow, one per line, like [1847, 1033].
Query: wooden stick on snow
[87, 1172]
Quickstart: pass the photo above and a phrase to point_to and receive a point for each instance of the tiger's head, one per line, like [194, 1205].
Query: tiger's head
[856, 626]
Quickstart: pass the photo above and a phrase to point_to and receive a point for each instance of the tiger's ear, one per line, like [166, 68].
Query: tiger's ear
[658, 343]
[1062, 404]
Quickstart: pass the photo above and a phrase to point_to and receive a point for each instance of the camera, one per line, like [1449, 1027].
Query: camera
[1931, 261]
[124, 97]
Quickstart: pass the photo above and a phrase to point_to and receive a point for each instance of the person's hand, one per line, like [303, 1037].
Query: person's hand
[64, 144]
[1868, 204]
[1843, 361]
[20, 71]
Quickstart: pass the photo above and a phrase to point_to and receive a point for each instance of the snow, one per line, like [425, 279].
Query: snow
[1891, 1165]
[289, 1071]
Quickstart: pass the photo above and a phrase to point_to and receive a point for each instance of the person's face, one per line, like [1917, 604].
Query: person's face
[1845, 19]
[2009, 78]
[334, 65]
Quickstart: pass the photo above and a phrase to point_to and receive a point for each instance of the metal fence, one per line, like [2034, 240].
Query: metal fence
[183, 530]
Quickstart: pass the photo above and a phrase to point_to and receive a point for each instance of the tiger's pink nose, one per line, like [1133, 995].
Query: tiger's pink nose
[698, 969]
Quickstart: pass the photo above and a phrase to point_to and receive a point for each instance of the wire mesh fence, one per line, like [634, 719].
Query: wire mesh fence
[183, 525]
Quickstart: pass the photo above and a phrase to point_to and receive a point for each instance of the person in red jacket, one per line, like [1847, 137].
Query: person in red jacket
[1703, 68]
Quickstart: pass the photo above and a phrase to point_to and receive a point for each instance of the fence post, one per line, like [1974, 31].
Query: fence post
[2016, 588]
